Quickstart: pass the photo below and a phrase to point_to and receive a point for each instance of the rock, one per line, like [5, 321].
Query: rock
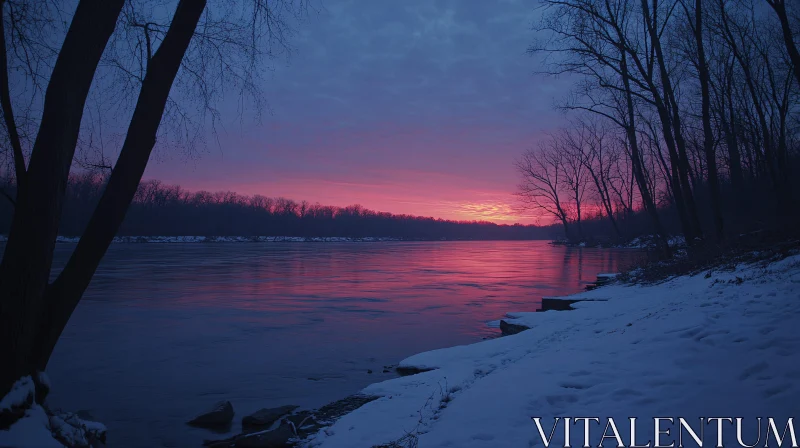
[508, 328]
[369, 370]
[74, 432]
[263, 418]
[406, 370]
[220, 415]
[295, 426]
[562, 304]
[17, 401]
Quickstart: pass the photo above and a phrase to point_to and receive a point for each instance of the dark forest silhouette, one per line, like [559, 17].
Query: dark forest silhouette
[168, 210]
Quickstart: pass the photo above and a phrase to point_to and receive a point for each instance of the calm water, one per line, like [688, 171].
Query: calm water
[166, 330]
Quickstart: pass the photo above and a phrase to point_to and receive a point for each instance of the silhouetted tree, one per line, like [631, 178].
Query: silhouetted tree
[195, 46]
[705, 94]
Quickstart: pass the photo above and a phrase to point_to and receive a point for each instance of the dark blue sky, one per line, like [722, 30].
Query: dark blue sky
[415, 106]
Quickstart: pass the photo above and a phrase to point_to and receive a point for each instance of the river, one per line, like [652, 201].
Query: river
[166, 330]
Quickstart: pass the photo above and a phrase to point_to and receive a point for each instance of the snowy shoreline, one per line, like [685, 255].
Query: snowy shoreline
[719, 343]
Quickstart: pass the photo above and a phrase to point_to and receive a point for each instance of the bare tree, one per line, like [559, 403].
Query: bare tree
[197, 48]
[541, 189]
[589, 142]
[696, 24]
[593, 39]
[575, 176]
[779, 6]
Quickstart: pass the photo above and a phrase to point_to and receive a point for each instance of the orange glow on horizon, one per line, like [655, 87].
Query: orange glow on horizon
[441, 198]
[494, 211]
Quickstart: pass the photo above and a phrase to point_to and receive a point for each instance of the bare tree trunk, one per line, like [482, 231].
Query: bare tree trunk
[780, 9]
[636, 160]
[25, 268]
[8, 110]
[753, 90]
[671, 125]
[65, 292]
[708, 135]
[727, 119]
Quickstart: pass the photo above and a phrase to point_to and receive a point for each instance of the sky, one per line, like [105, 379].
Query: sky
[416, 106]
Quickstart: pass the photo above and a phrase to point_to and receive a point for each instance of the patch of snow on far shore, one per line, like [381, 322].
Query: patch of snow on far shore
[691, 347]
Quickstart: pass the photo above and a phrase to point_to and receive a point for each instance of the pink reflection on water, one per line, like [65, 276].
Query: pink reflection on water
[361, 283]
[272, 324]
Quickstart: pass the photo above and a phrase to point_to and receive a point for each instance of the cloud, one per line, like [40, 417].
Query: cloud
[396, 97]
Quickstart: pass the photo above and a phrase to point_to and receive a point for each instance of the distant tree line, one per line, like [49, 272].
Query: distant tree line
[683, 118]
[169, 210]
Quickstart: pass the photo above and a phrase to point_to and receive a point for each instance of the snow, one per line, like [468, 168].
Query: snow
[36, 429]
[31, 431]
[74, 430]
[722, 344]
[22, 393]
[44, 380]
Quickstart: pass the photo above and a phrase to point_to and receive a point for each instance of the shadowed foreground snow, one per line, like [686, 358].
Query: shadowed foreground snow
[37, 429]
[718, 345]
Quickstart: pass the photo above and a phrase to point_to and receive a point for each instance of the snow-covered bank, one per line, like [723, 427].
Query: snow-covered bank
[717, 344]
[40, 427]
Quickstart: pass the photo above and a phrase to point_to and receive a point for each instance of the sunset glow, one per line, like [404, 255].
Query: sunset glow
[429, 126]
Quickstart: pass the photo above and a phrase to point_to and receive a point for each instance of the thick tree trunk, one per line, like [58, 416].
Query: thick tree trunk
[64, 294]
[25, 268]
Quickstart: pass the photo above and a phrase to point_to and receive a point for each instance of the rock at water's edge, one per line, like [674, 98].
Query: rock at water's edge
[220, 415]
[562, 303]
[72, 431]
[295, 426]
[410, 370]
[508, 328]
[266, 417]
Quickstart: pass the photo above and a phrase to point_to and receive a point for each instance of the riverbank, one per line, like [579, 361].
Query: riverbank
[649, 242]
[721, 342]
